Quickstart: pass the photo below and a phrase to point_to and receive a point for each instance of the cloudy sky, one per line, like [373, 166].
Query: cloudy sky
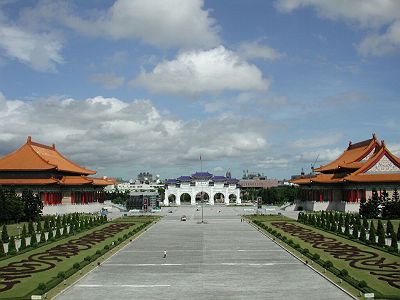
[150, 85]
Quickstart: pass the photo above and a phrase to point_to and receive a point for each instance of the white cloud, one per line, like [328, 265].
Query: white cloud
[317, 141]
[108, 80]
[323, 155]
[369, 14]
[255, 50]
[173, 23]
[273, 163]
[379, 45]
[106, 133]
[195, 72]
[41, 51]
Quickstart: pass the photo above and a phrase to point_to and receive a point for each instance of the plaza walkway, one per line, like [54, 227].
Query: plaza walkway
[223, 259]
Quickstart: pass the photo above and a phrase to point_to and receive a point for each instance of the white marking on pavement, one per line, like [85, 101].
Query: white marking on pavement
[124, 285]
[203, 264]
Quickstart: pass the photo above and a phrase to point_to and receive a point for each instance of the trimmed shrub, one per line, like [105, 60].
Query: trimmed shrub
[362, 284]
[316, 256]
[41, 286]
[363, 235]
[4, 234]
[31, 228]
[347, 225]
[328, 264]
[393, 245]
[11, 245]
[372, 234]
[344, 272]
[76, 266]
[381, 234]
[355, 231]
[33, 239]
[389, 229]
[61, 275]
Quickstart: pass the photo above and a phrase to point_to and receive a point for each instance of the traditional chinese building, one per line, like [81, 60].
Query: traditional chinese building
[46, 172]
[343, 183]
[202, 187]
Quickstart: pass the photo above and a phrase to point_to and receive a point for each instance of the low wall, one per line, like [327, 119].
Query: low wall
[327, 206]
[72, 208]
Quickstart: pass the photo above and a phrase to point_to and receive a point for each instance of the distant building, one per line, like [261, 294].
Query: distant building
[144, 200]
[341, 184]
[202, 187]
[145, 177]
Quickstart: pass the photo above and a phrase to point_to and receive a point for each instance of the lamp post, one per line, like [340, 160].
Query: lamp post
[202, 205]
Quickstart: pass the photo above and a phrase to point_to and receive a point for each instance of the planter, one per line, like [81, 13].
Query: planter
[38, 237]
[46, 235]
[68, 229]
[17, 244]
[54, 232]
[28, 241]
[5, 246]
[61, 231]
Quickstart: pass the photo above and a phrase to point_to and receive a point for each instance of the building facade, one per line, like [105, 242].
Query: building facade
[202, 187]
[46, 172]
[344, 182]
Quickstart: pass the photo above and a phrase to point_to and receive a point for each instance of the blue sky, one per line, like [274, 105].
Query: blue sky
[150, 85]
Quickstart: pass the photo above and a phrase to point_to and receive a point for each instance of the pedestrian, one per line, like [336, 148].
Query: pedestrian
[165, 253]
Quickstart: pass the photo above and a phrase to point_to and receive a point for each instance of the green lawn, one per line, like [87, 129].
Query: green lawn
[372, 281]
[29, 284]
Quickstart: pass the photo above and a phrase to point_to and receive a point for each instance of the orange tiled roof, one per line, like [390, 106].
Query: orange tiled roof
[75, 180]
[353, 154]
[38, 157]
[362, 175]
[327, 178]
[102, 181]
[27, 181]
[302, 180]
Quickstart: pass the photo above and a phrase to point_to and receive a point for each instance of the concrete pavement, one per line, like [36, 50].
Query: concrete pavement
[223, 259]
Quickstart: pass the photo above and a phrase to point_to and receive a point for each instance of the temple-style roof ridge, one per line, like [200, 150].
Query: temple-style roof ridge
[34, 156]
[353, 154]
[383, 151]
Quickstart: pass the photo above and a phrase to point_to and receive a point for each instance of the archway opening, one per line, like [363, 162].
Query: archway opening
[219, 198]
[185, 199]
[172, 199]
[202, 196]
[232, 198]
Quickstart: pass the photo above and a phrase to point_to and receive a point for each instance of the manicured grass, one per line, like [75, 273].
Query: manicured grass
[31, 283]
[372, 281]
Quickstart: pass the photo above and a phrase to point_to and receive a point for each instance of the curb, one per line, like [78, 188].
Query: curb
[298, 258]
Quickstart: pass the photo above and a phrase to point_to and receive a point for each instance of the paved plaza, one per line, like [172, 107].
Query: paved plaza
[223, 259]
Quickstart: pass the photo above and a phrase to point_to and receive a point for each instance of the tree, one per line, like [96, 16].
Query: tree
[11, 206]
[393, 243]
[365, 224]
[31, 228]
[363, 235]
[372, 234]
[355, 231]
[4, 234]
[11, 245]
[347, 225]
[389, 229]
[398, 232]
[23, 236]
[33, 205]
[371, 208]
[340, 224]
[381, 234]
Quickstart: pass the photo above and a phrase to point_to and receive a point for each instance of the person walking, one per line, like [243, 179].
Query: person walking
[165, 253]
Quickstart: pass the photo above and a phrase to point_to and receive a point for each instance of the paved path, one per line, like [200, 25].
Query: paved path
[223, 259]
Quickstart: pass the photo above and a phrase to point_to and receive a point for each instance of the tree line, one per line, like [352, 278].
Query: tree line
[274, 195]
[15, 207]
[381, 205]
